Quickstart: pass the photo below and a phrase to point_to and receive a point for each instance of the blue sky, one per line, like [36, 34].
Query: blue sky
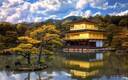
[39, 10]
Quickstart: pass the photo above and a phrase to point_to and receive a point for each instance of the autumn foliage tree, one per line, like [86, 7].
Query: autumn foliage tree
[42, 40]
[26, 47]
[49, 38]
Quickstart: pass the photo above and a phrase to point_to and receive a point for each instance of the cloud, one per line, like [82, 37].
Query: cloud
[74, 13]
[50, 4]
[23, 11]
[118, 5]
[100, 4]
[86, 13]
[81, 3]
[26, 11]
[52, 17]
[97, 13]
[120, 13]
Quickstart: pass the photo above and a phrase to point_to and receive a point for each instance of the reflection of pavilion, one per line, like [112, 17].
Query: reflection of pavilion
[84, 48]
[83, 69]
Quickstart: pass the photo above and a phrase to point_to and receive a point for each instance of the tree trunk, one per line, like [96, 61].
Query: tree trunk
[28, 77]
[39, 56]
[29, 58]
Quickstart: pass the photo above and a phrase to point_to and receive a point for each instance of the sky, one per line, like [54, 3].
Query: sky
[17, 11]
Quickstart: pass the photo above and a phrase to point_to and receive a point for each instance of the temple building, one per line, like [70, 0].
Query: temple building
[84, 48]
[84, 36]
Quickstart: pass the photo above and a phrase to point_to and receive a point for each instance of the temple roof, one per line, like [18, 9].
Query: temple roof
[84, 30]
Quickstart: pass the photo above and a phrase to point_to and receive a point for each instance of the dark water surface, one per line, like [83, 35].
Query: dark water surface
[52, 73]
[41, 75]
[45, 75]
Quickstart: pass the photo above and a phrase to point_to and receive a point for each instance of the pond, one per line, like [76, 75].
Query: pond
[66, 68]
[45, 75]
[40, 75]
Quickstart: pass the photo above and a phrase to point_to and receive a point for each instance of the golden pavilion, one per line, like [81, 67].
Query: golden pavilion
[84, 48]
[84, 37]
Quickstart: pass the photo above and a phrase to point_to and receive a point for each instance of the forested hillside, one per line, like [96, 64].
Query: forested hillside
[113, 25]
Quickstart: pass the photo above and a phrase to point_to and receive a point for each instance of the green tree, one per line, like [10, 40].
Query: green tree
[111, 31]
[8, 35]
[124, 22]
[49, 39]
[120, 40]
[21, 29]
[25, 48]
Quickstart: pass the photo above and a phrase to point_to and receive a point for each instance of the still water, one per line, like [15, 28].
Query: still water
[77, 69]
[44, 75]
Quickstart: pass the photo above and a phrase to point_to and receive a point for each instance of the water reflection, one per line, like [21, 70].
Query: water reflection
[61, 75]
[79, 67]
[54, 75]
[84, 66]
[112, 78]
[4, 75]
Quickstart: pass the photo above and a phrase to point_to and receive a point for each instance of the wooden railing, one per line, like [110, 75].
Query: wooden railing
[86, 50]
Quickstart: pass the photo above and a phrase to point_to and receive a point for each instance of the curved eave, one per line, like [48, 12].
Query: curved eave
[83, 30]
[81, 39]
